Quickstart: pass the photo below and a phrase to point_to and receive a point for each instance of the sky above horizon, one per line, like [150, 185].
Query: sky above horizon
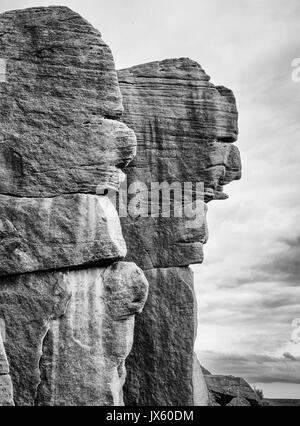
[249, 285]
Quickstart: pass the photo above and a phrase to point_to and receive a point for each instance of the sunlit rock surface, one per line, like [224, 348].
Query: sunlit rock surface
[48, 233]
[6, 389]
[68, 333]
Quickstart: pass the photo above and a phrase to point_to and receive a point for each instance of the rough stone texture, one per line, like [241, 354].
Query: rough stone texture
[58, 106]
[48, 233]
[231, 391]
[165, 242]
[70, 333]
[183, 124]
[6, 390]
[185, 127]
[164, 336]
[70, 328]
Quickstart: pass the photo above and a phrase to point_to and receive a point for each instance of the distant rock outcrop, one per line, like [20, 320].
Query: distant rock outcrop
[184, 127]
[269, 402]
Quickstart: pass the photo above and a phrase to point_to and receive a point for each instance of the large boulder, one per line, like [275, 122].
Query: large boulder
[68, 333]
[67, 230]
[69, 328]
[58, 106]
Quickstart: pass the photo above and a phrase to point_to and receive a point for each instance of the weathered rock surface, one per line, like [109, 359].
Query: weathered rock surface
[6, 390]
[48, 233]
[69, 328]
[68, 333]
[58, 106]
[183, 124]
[185, 127]
[164, 337]
[231, 391]
[163, 242]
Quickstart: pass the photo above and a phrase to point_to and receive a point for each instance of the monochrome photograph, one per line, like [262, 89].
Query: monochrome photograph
[149, 206]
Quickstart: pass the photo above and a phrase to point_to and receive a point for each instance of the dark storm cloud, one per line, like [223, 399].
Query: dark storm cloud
[287, 266]
[283, 267]
[255, 368]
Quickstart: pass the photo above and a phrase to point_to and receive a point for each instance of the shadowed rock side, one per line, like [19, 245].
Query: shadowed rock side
[69, 328]
[185, 127]
[165, 336]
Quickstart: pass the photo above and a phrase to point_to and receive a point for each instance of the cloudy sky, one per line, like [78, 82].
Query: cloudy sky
[249, 287]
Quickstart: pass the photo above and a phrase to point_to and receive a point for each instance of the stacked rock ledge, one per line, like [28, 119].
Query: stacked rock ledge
[67, 300]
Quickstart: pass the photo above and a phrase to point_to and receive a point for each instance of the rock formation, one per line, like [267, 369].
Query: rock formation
[67, 297]
[231, 391]
[67, 300]
[185, 127]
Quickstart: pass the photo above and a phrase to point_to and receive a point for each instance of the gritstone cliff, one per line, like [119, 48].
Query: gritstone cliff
[67, 302]
[69, 287]
[185, 127]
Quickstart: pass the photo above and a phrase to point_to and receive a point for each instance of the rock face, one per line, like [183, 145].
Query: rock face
[67, 299]
[48, 233]
[67, 302]
[70, 332]
[231, 391]
[58, 106]
[160, 345]
[6, 390]
[185, 127]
